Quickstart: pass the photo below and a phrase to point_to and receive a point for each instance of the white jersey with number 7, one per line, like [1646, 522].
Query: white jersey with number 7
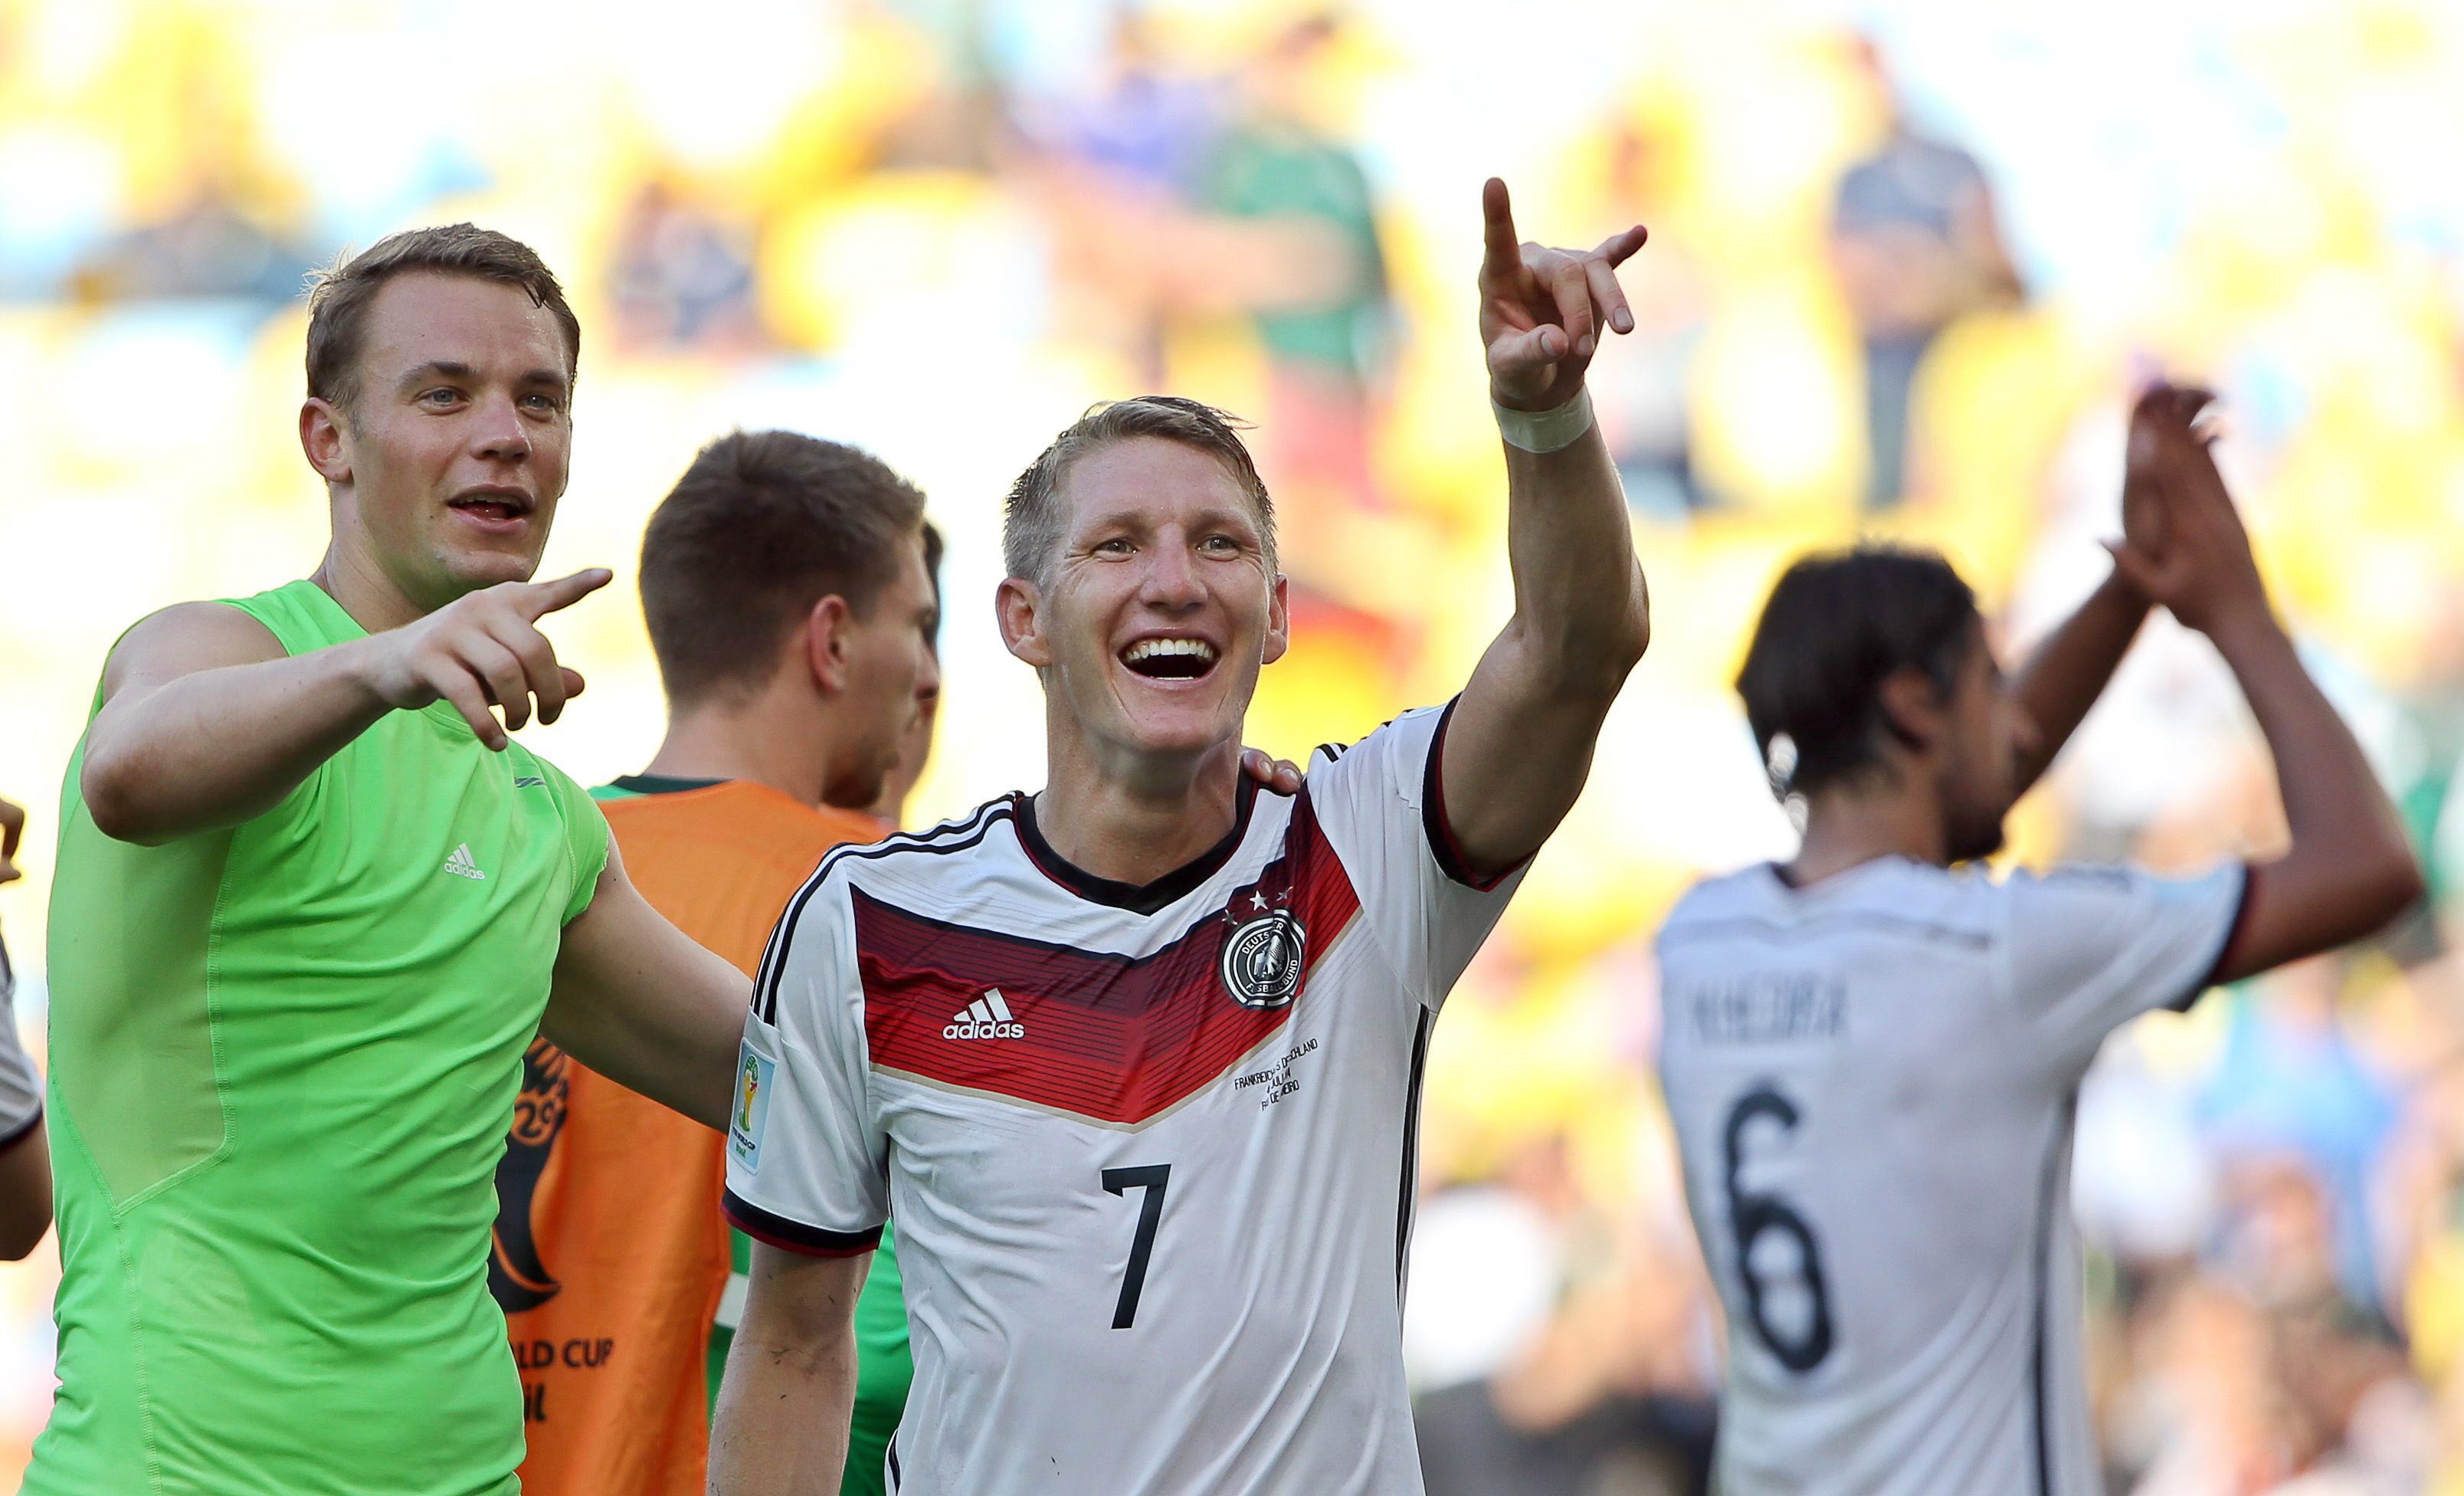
[1150, 1149]
[1872, 1081]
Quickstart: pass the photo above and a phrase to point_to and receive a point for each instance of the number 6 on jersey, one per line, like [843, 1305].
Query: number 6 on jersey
[1151, 1177]
[1801, 1346]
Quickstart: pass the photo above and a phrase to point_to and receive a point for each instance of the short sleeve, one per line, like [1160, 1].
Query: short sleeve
[1383, 807]
[807, 1162]
[2090, 949]
[21, 1090]
[586, 836]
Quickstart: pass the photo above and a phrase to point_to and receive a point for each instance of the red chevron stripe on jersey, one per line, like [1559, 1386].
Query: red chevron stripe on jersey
[1110, 1038]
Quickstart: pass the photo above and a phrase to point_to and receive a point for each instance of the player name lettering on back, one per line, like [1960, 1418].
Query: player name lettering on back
[1766, 1008]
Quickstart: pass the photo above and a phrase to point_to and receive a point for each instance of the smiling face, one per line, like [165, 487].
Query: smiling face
[447, 466]
[1152, 619]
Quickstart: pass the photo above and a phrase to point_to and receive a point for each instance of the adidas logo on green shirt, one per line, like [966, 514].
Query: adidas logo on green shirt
[461, 865]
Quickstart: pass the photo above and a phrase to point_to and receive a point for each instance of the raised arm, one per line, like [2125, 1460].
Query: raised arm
[2071, 668]
[2349, 870]
[780, 1426]
[2074, 664]
[638, 1001]
[1519, 744]
[206, 721]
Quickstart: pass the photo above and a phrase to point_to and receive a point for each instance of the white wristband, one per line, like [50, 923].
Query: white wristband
[1545, 430]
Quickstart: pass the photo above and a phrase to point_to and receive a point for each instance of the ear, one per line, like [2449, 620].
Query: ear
[326, 436]
[1912, 710]
[825, 643]
[1019, 610]
[1279, 620]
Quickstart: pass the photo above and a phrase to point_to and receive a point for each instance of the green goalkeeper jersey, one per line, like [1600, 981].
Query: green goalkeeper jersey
[283, 1061]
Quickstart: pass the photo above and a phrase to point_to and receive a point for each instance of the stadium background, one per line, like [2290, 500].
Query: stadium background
[941, 228]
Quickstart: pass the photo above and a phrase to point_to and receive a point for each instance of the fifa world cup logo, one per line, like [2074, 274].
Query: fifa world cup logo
[515, 1275]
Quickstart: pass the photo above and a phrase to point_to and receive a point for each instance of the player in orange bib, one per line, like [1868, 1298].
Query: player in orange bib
[792, 609]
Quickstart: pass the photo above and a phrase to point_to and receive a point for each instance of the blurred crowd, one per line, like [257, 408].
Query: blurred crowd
[1906, 267]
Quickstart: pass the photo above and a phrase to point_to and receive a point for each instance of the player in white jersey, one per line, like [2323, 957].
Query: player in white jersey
[1871, 1054]
[1134, 1061]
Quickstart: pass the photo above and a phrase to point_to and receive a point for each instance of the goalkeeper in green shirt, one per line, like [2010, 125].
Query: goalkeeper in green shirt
[310, 904]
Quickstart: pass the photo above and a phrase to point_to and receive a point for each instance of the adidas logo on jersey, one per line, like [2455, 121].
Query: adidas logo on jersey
[988, 1017]
[461, 865]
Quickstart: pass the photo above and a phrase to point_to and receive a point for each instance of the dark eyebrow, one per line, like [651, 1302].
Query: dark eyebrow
[456, 369]
[438, 368]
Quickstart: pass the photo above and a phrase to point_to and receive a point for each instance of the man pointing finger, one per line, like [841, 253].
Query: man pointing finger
[310, 904]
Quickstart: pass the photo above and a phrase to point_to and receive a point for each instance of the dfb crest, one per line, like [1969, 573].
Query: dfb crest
[1263, 960]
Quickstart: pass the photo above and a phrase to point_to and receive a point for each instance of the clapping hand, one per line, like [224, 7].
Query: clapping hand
[2183, 541]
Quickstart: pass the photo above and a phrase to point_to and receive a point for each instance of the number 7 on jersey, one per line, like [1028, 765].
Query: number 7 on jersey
[1151, 1177]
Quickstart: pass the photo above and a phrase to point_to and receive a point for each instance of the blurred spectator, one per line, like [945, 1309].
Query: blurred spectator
[2306, 1121]
[682, 277]
[1572, 1356]
[209, 247]
[1642, 398]
[1915, 246]
[1145, 122]
[1317, 295]
[1116, 169]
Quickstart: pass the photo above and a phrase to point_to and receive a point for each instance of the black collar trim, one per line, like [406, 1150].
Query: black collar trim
[1144, 898]
[660, 784]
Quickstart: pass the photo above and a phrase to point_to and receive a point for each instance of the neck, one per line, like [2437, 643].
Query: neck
[352, 578]
[1848, 827]
[759, 740]
[1133, 823]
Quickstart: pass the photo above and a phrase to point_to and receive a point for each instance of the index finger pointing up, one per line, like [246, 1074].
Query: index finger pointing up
[1502, 252]
[546, 597]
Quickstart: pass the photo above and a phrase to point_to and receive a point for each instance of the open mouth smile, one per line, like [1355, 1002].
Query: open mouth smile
[496, 507]
[1170, 659]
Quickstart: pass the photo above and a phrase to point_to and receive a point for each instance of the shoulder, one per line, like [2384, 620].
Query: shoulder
[1404, 741]
[2075, 894]
[945, 853]
[1897, 899]
[576, 807]
[1727, 899]
[925, 863]
[189, 637]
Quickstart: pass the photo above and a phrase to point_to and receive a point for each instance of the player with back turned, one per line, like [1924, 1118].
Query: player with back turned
[1872, 1056]
[1134, 1061]
[787, 587]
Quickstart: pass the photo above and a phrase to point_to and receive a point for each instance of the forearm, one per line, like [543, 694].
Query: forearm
[218, 747]
[1582, 614]
[2349, 870]
[781, 1428]
[2327, 782]
[2071, 668]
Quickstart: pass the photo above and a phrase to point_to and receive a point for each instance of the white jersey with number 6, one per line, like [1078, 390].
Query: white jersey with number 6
[1872, 1081]
[1150, 1149]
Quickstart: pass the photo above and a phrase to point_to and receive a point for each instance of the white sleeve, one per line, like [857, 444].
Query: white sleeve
[808, 1163]
[1383, 810]
[21, 1090]
[2089, 949]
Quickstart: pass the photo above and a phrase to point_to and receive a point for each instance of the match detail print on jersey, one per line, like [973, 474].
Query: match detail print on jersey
[1111, 1039]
